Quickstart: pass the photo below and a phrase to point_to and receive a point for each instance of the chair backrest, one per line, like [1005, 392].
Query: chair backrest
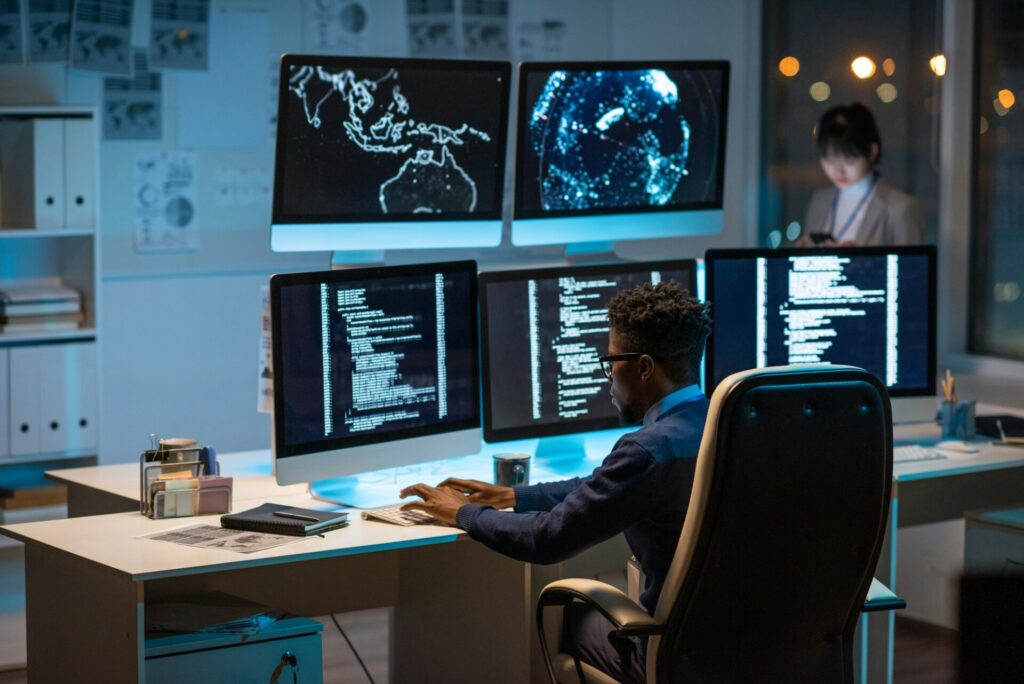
[783, 529]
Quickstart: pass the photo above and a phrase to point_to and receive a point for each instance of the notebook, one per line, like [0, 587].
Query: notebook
[281, 519]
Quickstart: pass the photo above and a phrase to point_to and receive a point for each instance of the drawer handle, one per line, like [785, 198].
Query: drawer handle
[82, 422]
[54, 425]
[24, 427]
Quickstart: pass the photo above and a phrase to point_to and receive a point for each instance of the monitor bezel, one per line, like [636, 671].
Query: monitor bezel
[527, 68]
[560, 427]
[285, 451]
[282, 220]
[711, 256]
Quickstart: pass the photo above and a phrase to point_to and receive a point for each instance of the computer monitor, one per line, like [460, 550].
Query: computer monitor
[374, 153]
[872, 307]
[596, 140]
[543, 331]
[373, 368]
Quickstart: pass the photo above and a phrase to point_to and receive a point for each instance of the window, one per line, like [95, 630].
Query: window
[997, 317]
[808, 66]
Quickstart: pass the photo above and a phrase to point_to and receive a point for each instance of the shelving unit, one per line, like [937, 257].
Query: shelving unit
[49, 380]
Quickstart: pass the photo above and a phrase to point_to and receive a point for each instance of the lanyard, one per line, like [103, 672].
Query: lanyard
[856, 210]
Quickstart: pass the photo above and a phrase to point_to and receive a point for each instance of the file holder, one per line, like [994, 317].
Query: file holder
[206, 494]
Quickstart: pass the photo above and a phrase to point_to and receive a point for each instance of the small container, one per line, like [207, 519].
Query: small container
[958, 419]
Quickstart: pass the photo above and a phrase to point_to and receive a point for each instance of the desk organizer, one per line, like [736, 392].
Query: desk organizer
[174, 488]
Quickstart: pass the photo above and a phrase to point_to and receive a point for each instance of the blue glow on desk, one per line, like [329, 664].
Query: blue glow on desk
[381, 487]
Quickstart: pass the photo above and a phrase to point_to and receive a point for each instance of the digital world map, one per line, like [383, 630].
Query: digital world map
[423, 173]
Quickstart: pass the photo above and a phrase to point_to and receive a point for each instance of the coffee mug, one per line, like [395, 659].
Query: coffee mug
[511, 469]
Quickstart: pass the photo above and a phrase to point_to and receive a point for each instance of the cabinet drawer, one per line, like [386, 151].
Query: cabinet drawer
[241, 664]
[990, 549]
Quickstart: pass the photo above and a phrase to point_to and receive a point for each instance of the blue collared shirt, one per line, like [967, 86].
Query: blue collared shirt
[680, 396]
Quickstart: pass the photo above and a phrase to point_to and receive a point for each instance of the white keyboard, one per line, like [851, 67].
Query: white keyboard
[395, 515]
[915, 452]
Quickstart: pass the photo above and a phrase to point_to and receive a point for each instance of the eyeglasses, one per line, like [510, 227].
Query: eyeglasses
[608, 362]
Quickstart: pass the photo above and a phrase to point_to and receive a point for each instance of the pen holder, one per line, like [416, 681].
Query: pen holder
[958, 419]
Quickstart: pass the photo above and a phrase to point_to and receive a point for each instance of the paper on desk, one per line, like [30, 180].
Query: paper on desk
[213, 537]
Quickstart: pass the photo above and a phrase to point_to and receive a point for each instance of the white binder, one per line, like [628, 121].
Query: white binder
[33, 173]
[79, 173]
[5, 408]
[24, 398]
[67, 397]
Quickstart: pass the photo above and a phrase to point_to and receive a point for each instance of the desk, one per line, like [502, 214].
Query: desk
[459, 608]
[934, 491]
[331, 575]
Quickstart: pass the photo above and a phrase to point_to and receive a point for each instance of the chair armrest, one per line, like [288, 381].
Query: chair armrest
[880, 597]
[630, 618]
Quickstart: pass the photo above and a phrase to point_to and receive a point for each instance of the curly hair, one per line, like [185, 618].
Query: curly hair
[664, 321]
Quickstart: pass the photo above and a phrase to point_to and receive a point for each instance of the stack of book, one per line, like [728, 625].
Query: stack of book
[35, 307]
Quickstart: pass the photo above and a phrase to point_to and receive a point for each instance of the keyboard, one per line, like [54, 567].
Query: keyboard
[396, 516]
[915, 452]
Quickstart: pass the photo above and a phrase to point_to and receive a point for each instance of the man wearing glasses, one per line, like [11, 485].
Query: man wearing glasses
[655, 343]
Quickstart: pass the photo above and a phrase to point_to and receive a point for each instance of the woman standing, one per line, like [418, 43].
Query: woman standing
[860, 208]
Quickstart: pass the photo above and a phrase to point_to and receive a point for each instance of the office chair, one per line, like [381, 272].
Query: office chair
[780, 541]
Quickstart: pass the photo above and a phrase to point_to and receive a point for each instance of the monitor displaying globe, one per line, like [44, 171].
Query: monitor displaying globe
[601, 138]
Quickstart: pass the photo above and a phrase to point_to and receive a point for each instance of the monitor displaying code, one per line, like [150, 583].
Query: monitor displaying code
[543, 333]
[872, 308]
[367, 359]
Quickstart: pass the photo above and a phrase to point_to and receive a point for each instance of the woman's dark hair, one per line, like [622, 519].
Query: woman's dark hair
[849, 130]
[664, 321]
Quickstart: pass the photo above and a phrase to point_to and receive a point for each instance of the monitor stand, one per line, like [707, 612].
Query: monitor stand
[565, 450]
[341, 260]
[914, 410]
[578, 253]
[375, 489]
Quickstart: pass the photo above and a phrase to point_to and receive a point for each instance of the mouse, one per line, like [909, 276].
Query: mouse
[958, 446]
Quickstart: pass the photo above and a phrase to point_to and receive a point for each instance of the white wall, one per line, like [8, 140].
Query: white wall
[179, 331]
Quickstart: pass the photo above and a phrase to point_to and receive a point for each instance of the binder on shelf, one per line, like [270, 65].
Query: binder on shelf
[24, 365]
[5, 407]
[32, 155]
[67, 405]
[79, 173]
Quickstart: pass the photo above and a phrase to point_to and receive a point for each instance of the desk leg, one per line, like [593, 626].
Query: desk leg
[882, 625]
[463, 615]
[83, 621]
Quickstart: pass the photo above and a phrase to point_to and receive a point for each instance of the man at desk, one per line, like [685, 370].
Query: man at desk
[642, 488]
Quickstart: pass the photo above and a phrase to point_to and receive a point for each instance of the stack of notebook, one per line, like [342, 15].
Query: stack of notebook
[34, 307]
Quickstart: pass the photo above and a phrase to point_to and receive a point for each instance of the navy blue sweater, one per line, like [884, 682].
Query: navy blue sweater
[642, 488]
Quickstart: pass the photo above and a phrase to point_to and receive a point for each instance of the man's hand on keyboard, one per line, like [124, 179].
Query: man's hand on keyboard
[483, 493]
[441, 502]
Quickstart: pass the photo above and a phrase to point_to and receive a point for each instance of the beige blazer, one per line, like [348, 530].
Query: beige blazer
[891, 217]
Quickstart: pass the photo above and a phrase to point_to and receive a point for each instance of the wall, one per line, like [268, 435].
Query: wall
[179, 332]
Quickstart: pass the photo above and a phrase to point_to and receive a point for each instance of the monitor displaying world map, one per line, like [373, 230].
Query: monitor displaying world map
[368, 139]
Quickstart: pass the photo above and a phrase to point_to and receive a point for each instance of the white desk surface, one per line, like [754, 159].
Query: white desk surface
[112, 541]
[989, 456]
